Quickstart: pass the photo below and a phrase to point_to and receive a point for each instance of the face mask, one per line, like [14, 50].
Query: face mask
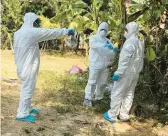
[103, 33]
[38, 22]
[126, 33]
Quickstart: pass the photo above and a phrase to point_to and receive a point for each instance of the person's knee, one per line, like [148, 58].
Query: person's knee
[92, 82]
[26, 96]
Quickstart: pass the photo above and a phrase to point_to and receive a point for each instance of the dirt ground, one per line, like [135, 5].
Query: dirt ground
[74, 120]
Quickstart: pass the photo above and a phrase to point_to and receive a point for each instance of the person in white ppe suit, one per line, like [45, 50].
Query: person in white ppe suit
[101, 53]
[27, 59]
[126, 77]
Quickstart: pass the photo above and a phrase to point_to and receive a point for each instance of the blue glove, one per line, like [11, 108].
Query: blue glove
[115, 77]
[108, 45]
[115, 49]
[71, 32]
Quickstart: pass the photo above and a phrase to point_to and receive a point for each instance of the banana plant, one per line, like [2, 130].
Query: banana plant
[83, 16]
[67, 10]
[11, 20]
[155, 67]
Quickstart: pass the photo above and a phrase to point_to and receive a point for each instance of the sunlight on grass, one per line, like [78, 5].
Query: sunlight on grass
[49, 80]
[64, 92]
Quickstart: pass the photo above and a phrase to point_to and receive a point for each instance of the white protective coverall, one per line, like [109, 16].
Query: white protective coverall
[129, 66]
[99, 58]
[27, 57]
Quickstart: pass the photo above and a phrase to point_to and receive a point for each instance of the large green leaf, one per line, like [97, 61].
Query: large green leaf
[73, 25]
[79, 4]
[85, 18]
[76, 11]
[89, 15]
[150, 54]
[77, 25]
[114, 22]
[97, 4]
[92, 26]
[61, 16]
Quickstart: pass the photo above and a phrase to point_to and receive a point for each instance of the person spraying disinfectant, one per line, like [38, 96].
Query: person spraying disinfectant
[27, 59]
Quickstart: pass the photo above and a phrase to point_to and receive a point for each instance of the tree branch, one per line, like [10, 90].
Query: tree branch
[137, 14]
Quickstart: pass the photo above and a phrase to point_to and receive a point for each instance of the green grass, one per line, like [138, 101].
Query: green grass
[65, 93]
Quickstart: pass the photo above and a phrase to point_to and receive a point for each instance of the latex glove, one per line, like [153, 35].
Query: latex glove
[115, 49]
[71, 32]
[115, 77]
[108, 45]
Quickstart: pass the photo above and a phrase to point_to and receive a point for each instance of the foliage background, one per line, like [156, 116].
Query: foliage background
[86, 15]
